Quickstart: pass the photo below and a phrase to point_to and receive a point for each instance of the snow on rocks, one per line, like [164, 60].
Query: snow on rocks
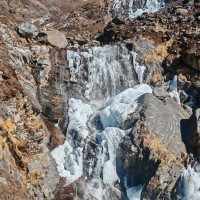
[79, 114]
[69, 156]
[119, 107]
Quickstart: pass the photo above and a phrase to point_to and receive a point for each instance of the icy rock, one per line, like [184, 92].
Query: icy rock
[119, 107]
[69, 161]
[79, 114]
[138, 69]
[190, 184]
[27, 30]
[134, 193]
[151, 6]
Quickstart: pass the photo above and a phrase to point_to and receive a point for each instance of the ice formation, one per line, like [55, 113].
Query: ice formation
[134, 193]
[78, 114]
[190, 183]
[138, 69]
[69, 156]
[173, 90]
[119, 107]
[109, 70]
[111, 138]
[74, 64]
[150, 7]
[69, 161]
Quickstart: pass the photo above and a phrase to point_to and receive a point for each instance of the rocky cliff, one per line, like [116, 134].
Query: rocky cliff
[99, 99]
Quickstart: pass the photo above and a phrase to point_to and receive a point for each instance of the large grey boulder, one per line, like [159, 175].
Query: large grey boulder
[154, 151]
[165, 119]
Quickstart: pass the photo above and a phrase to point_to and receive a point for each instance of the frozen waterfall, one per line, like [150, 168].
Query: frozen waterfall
[108, 70]
[126, 7]
[70, 156]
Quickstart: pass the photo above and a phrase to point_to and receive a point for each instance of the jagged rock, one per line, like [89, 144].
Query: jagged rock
[160, 93]
[192, 60]
[181, 11]
[3, 181]
[195, 133]
[27, 30]
[146, 161]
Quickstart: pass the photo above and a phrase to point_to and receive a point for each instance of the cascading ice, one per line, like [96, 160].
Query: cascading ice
[109, 70]
[138, 69]
[121, 105]
[78, 114]
[126, 7]
[111, 138]
[69, 156]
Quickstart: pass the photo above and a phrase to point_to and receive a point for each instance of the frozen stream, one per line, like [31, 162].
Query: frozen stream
[70, 155]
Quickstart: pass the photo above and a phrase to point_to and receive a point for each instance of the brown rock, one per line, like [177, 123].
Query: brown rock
[56, 38]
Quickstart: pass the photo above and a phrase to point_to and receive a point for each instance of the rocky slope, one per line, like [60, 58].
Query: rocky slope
[93, 50]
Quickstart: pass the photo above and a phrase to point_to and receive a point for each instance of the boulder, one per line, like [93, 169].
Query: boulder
[181, 11]
[159, 92]
[154, 151]
[56, 38]
[165, 119]
[27, 30]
